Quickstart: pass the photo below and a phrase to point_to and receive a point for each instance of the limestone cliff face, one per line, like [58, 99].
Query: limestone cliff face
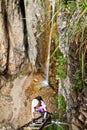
[23, 51]
[24, 41]
[12, 48]
[21, 29]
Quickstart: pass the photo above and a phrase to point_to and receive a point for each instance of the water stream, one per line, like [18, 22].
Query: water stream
[45, 81]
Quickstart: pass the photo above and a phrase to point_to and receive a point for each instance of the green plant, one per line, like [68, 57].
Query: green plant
[55, 101]
[77, 82]
[60, 66]
[53, 127]
[80, 38]
[82, 4]
[26, 2]
[61, 104]
[78, 33]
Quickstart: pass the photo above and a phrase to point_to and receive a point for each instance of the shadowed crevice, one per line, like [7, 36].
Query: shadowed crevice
[6, 32]
[22, 7]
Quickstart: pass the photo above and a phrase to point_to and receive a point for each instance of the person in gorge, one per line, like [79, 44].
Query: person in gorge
[38, 105]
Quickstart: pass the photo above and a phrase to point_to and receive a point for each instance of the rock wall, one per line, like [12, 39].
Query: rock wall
[73, 90]
[24, 39]
[24, 36]
[11, 45]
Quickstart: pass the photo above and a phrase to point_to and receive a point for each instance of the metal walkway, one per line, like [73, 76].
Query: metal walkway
[36, 126]
[40, 125]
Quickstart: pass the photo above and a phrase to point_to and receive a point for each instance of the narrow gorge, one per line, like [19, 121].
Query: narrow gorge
[43, 51]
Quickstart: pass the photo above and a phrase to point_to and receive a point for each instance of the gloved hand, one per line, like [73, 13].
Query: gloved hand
[34, 120]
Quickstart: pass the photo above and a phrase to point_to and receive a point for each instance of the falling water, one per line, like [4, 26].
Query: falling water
[45, 81]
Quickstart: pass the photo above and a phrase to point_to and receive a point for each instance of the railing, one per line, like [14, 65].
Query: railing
[48, 122]
[27, 124]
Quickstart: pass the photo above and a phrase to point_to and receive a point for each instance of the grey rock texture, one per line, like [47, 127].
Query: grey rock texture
[21, 54]
[69, 42]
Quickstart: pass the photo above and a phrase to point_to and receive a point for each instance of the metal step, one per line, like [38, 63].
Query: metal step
[31, 128]
[34, 128]
[35, 125]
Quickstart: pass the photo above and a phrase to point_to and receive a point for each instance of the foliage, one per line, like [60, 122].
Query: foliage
[26, 2]
[82, 4]
[71, 6]
[60, 66]
[67, 1]
[78, 34]
[55, 101]
[53, 127]
[60, 103]
[80, 39]
[77, 82]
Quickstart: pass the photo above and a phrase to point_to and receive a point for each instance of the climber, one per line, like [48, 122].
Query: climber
[38, 105]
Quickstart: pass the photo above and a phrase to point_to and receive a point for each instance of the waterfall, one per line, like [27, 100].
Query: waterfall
[45, 81]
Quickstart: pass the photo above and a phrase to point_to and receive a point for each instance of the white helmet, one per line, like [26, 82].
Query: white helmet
[35, 102]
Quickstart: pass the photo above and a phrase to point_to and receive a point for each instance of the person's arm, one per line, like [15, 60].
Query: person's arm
[45, 109]
[44, 106]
